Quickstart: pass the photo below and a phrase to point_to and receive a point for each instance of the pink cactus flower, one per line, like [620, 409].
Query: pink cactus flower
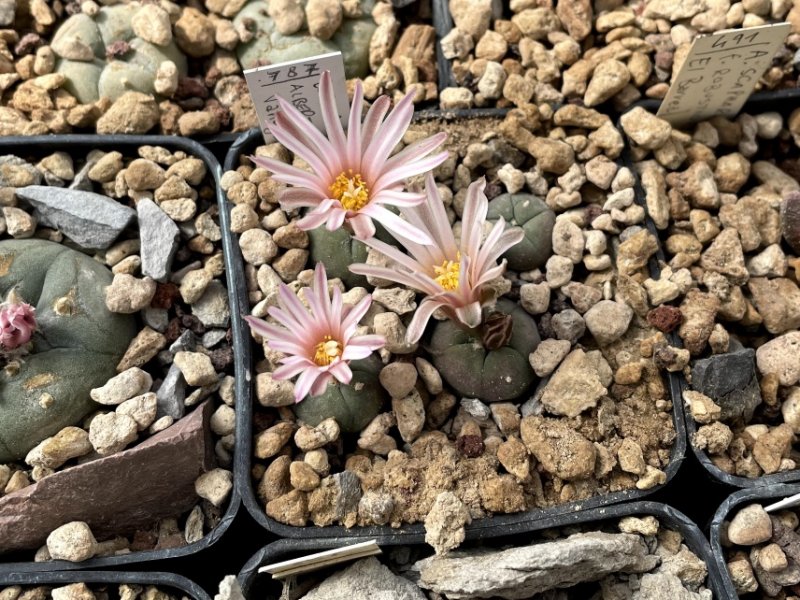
[319, 343]
[17, 324]
[352, 178]
[454, 276]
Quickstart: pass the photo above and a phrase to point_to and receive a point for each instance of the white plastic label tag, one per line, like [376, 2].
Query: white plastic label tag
[720, 72]
[789, 502]
[312, 562]
[297, 82]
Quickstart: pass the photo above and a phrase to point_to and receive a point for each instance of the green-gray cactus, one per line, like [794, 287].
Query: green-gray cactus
[353, 405]
[477, 372]
[76, 347]
[90, 77]
[337, 250]
[536, 219]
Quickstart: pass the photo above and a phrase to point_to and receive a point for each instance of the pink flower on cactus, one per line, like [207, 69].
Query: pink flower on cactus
[352, 178]
[319, 343]
[17, 324]
[454, 276]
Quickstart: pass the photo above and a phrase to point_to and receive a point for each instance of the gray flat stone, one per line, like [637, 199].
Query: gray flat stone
[159, 239]
[213, 337]
[212, 307]
[171, 395]
[522, 572]
[90, 220]
[367, 578]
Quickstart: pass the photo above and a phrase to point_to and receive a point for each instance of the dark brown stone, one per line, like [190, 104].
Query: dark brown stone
[470, 446]
[166, 294]
[119, 494]
[665, 318]
[790, 220]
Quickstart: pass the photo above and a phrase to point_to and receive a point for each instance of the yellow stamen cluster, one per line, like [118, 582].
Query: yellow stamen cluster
[327, 351]
[350, 190]
[447, 274]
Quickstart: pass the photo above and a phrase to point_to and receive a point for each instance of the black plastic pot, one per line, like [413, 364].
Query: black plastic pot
[761, 495]
[246, 144]
[783, 101]
[60, 578]
[42, 145]
[261, 585]
[443, 23]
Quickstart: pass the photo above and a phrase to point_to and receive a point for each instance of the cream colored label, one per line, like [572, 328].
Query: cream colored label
[720, 72]
[297, 82]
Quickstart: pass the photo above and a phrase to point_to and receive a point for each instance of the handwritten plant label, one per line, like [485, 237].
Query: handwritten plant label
[296, 82]
[720, 73]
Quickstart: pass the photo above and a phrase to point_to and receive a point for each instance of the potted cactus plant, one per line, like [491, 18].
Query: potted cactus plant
[498, 340]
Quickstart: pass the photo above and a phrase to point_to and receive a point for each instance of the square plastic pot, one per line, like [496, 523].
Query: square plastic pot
[81, 144]
[61, 578]
[737, 500]
[261, 586]
[783, 101]
[244, 146]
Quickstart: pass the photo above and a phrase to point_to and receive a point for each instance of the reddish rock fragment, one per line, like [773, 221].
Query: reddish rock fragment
[665, 318]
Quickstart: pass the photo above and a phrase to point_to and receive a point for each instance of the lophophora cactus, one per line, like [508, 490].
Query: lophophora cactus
[353, 405]
[490, 363]
[81, 44]
[537, 221]
[75, 346]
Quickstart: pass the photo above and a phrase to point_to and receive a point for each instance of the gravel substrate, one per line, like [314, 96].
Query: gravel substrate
[609, 52]
[761, 551]
[176, 67]
[725, 195]
[599, 421]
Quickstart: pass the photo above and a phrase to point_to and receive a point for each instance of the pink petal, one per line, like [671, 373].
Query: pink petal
[398, 198]
[341, 371]
[363, 227]
[412, 280]
[306, 381]
[392, 253]
[373, 120]
[313, 220]
[396, 225]
[257, 325]
[336, 310]
[375, 342]
[469, 315]
[312, 137]
[403, 172]
[417, 150]
[489, 275]
[293, 143]
[337, 218]
[292, 304]
[354, 128]
[493, 248]
[473, 217]
[320, 293]
[356, 313]
[387, 137]
[292, 365]
[289, 174]
[420, 320]
[294, 198]
[333, 125]
[321, 384]
[432, 214]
